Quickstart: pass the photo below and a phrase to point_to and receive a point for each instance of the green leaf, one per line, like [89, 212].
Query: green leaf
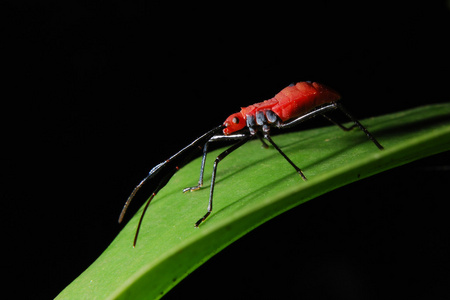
[253, 186]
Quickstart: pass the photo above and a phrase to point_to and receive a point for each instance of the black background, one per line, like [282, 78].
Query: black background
[95, 93]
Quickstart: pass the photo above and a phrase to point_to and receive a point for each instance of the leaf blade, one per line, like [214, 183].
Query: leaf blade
[245, 197]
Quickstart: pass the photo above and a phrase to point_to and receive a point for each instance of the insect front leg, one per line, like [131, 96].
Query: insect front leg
[213, 177]
[202, 170]
[216, 138]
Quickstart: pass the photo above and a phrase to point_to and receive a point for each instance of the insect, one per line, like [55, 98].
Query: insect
[290, 107]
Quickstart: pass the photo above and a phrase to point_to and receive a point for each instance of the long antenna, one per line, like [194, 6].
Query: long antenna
[124, 209]
[184, 155]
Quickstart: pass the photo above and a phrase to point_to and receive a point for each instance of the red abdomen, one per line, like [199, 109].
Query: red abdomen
[295, 100]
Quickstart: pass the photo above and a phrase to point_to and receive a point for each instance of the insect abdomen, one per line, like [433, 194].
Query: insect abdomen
[297, 100]
[294, 100]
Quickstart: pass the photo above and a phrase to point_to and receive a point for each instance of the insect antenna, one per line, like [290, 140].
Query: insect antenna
[170, 166]
[133, 193]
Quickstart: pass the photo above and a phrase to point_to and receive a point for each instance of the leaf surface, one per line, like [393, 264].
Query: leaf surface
[253, 185]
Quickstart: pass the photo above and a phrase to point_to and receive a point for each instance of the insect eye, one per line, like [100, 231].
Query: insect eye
[235, 120]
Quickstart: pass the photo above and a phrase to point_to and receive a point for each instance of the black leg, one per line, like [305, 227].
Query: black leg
[339, 124]
[326, 108]
[202, 170]
[215, 138]
[307, 116]
[267, 137]
[213, 178]
[260, 136]
[368, 134]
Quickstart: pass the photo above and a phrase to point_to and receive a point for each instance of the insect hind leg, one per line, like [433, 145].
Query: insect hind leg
[357, 123]
[338, 124]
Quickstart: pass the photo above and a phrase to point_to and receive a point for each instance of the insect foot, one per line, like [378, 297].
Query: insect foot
[191, 189]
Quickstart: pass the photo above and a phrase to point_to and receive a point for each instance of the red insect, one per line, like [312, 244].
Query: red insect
[291, 106]
[291, 102]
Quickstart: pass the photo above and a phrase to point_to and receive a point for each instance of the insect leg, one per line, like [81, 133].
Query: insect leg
[202, 169]
[267, 137]
[205, 152]
[165, 179]
[260, 137]
[261, 120]
[307, 116]
[213, 177]
[368, 134]
[339, 124]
